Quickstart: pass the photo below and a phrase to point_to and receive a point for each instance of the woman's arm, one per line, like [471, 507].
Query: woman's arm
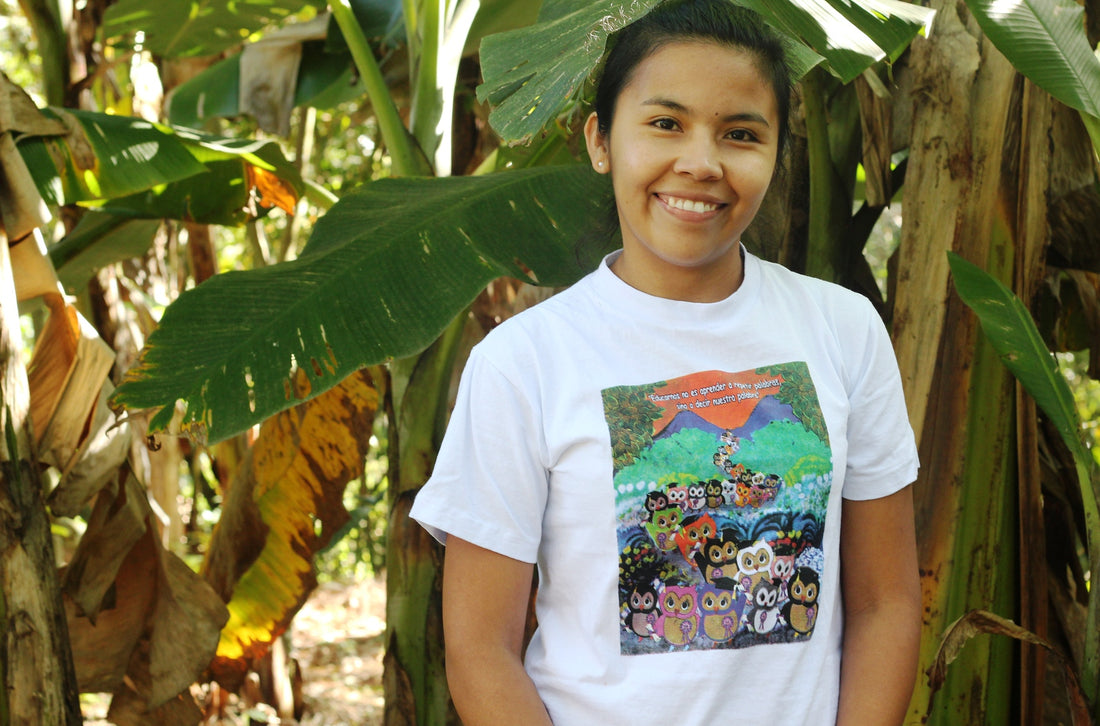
[882, 610]
[484, 611]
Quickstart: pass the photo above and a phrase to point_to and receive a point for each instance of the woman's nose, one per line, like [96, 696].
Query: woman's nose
[699, 159]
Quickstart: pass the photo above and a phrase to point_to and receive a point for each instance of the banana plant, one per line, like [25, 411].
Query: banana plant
[1009, 327]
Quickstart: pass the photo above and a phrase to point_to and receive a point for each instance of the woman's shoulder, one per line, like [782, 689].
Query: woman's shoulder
[829, 296]
[528, 334]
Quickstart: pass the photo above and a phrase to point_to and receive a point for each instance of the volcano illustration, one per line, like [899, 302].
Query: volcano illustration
[768, 409]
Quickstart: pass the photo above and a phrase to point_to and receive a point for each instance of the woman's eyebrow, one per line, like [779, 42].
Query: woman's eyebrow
[750, 116]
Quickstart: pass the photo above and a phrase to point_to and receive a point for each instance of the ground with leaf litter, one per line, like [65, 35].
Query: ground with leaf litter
[337, 639]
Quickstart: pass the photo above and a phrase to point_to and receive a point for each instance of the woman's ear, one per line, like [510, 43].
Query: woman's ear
[597, 145]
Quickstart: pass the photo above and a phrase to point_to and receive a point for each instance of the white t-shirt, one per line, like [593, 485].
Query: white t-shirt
[676, 470]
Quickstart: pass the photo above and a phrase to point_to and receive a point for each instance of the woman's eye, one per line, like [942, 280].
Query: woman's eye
[741, 135]
[665, 124]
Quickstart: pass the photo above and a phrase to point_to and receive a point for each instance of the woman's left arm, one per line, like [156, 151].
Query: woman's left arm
[882, 610]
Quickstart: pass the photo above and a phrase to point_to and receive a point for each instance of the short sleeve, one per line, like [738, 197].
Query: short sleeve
[490, 482]
[882, 451]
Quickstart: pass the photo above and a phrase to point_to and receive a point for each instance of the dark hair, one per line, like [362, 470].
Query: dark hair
[714, 21]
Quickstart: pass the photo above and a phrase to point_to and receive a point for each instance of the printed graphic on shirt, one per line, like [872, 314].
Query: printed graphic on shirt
[721, 487]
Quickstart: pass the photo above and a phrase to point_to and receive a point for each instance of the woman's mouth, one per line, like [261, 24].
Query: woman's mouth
[688, 205]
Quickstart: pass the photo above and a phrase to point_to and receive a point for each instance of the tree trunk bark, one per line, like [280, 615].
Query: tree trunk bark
[36, 666]
[977, 168]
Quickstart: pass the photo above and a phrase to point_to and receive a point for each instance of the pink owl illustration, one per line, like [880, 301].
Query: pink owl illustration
[679, 619]
[678, 497]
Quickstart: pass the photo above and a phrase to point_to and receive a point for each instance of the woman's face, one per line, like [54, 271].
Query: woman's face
[691, 152]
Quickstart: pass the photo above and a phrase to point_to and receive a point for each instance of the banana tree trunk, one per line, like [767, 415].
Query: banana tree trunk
[973, 186]
[53, 48]
[37, 678]
[414, 680]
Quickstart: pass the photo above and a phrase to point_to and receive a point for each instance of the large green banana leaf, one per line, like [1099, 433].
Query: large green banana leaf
[383, 274]
[562, 48]
[188, 28]
[1045, 40]
[135, 168]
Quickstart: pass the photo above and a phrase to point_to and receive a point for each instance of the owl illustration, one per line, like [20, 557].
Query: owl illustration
[715, 497]
[742, 496]
[677, 496]
[800, 612]
[753, 565]
[763, 613]
[717, 560]
[694, 532]
[729, 492]
[697, 496]
[654, 502]
[782, 565]
[721, 613]
[679, 619]
[663, 528]
[642, 611]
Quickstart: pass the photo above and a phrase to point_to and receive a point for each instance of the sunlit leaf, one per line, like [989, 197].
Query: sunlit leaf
[132, 168]
[285, 504]
[383, 274]
[186, 28]
[534, 74]
[1046, 41]
[105, 156]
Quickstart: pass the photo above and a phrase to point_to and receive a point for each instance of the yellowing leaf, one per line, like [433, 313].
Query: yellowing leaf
[274, 190]
[284, 505]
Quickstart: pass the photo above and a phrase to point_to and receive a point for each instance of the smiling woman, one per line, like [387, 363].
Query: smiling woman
[706, 456]
[690, 161]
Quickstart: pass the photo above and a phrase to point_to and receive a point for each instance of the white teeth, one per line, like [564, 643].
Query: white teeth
[690, 206]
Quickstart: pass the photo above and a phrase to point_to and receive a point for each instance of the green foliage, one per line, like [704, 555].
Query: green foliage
[115, 156]
[1086, 395]
[798, 392]
[133, 168]
[786, 448]
[1045, 40]
[19, 47]
[383, 274]
[99, 240]
[533, 75]
[685, 457]
[189, 28]
[630, 416]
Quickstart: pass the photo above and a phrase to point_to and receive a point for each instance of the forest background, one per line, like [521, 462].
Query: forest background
[252, 242]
